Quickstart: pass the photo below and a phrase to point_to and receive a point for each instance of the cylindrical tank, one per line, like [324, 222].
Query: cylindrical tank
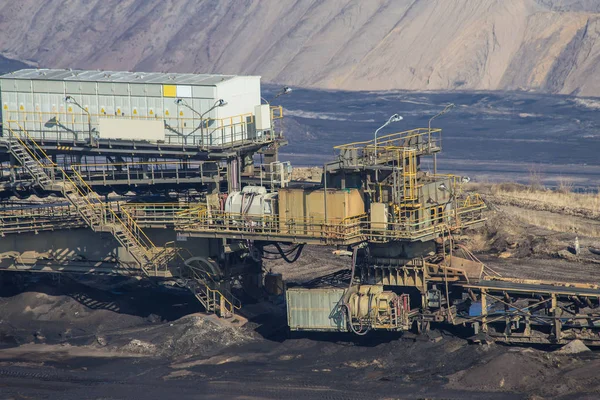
[251, 201]
[274, 284]
[367, 304]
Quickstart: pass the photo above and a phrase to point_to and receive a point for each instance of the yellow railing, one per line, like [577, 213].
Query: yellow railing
[411, 224]
[81, 118]
[231, 301]
[188, 130]
[31, 219]
[161, 213]
[276, 112]
[144, 214]
[148, 170]
[207, 280]
[394, 140]
[141, 239]
[409, 174]
[99, 208]
[390, 148]
[472, 200]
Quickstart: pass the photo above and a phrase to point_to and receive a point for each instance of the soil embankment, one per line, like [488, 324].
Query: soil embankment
[541, 45]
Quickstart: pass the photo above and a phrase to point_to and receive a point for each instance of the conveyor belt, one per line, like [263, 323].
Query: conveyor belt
[563, 289]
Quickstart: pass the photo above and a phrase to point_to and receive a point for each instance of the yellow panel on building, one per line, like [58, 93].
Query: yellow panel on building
[169, 91]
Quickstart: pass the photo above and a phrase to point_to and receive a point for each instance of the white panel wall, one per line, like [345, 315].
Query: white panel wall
[41, 107]
[130, 129]
[242, 94]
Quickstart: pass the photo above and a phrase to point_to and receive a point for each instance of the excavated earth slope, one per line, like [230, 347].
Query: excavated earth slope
[544, 45]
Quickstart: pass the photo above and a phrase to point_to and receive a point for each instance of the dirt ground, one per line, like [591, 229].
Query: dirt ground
[120, 338]
[55, 347]
[535, 239]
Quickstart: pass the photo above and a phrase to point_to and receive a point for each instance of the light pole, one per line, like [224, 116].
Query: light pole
[218, 103]
[71, 100]
[284, 90]
[393, 118]
[444, 111]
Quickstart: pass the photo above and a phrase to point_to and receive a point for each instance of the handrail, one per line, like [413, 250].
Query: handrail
[90, 191]
[146, 205]
[52, 164]
[225, 132]
[156, 116]
[276, 112]
[118, 219]
[411, 223]
[227, 129]
[235, 303]
[210, 290]
[415, 225]
[382, 140]
[136, 163]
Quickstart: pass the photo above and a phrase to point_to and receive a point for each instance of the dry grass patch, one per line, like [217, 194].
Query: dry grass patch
[562, 200]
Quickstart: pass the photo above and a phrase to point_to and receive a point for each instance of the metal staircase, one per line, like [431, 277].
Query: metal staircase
[32, 166]
[99, 216]
[211, 294]
[88, 203]
[214, 300]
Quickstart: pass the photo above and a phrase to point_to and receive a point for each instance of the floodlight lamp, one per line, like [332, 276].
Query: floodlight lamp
[396, 118]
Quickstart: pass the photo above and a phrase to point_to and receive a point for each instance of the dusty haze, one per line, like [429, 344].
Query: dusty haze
[544, 45]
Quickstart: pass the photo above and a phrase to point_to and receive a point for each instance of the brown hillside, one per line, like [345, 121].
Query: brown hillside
[545, 45]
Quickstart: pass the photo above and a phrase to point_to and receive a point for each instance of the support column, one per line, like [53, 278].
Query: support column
[527, 331]
[248, 167]
[233, 175]
[271, 154]
[484, 312]
[555, 310]
[14, 164]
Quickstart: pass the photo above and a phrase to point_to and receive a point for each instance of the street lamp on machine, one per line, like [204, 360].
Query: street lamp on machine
[284, 90]
[218, 103]
[444, 111]
[71, 100]
[393, 118]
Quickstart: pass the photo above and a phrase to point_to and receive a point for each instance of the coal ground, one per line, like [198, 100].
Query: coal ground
[495, 136]
[117, 338]
[8, 65]
[124, 339]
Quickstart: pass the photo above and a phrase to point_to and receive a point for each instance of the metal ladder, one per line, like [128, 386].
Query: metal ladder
[409, 174]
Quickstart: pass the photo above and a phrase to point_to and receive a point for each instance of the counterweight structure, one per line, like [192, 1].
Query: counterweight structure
[157, 175]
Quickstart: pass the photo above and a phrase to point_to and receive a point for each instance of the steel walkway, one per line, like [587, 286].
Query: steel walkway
[100, 217]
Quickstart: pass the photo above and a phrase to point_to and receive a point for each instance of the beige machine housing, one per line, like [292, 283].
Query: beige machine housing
[299, 207]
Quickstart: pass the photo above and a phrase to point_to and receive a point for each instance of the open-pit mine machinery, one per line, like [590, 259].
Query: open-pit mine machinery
[177, 177]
